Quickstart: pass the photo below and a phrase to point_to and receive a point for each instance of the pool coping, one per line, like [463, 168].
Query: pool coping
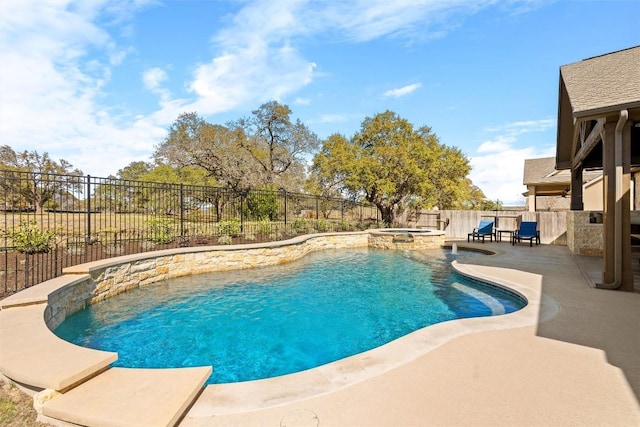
[240, 397]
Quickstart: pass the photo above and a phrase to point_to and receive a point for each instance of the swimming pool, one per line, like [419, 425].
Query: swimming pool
[271, 321]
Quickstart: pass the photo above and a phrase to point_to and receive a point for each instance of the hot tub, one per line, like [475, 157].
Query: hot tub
[406, 238]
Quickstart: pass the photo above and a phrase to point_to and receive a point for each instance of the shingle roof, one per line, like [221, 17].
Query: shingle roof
[604, 81]
[536, 169]
[594, 88]
[542, 171]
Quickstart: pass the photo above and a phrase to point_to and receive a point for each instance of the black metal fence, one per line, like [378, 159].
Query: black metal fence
[52, 221]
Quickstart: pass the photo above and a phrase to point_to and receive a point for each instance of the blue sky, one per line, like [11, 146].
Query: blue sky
[98, 83]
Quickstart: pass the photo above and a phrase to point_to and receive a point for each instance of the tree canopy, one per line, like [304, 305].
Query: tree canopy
[391, 164]
[276, 144]
[388, 162]
[216, 149]
[264, 150]
[39, 189]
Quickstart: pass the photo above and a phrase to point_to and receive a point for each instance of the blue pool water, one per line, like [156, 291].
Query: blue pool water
[270, 321]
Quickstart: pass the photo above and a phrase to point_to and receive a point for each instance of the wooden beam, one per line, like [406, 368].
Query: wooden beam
[594, 136]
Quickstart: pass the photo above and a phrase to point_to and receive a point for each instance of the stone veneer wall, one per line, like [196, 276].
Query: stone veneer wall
[583, 237]
[93, 282]
[407, 240]
[68, 299]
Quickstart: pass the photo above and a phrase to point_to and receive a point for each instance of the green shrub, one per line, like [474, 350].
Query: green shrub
[299, 225]
[263, 205]
[225, 240]
[323, 225]
[229, 228]
[28, 238]
[275, 236]
[160, 230]
[8, 411]
[264, 226]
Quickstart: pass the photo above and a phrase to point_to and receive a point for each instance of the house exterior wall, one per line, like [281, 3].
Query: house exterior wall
[592, 199]
[592, 196]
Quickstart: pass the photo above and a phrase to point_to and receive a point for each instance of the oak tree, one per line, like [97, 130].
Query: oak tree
[193, 142]
[389, 163]
[276, 143]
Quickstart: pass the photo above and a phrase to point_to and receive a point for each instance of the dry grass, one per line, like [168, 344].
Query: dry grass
[16, 407]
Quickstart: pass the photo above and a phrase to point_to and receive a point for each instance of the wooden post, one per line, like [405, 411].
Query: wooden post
[625, 208]
[576, 189]
[609, 203]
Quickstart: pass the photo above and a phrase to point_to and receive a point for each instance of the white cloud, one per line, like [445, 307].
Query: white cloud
[498, 145]
[498, 168]
[524, 126]
[365, 20]
[301, 101]
[256, 60]
[405, 90]
[55, 62]
[153, 77]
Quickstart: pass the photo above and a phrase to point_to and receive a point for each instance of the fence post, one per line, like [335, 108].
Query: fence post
[243, 193]
[181, 209]
[284, 192]
[88, 230]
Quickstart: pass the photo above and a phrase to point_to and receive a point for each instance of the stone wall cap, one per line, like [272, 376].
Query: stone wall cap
[88, 267]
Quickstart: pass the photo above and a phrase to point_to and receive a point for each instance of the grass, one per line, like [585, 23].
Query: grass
[16, 407]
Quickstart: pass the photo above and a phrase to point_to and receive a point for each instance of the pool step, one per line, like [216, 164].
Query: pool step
[494, 305]
[32, 355]
[130, 397]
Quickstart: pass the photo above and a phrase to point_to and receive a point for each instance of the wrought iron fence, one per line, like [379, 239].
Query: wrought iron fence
[52, 221]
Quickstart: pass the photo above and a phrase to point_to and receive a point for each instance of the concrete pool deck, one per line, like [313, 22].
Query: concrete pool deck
[571, 358]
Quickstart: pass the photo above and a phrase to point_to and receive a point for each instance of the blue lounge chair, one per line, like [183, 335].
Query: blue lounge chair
[528, 230]
[484, 229]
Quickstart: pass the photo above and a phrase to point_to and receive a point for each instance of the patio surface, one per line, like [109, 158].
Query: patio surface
[578, 365]
[571, 357]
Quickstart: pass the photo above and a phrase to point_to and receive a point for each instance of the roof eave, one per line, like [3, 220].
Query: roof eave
[604, 111]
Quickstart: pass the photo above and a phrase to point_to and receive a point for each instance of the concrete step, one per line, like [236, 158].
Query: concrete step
[32, 355]
[130, 397]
